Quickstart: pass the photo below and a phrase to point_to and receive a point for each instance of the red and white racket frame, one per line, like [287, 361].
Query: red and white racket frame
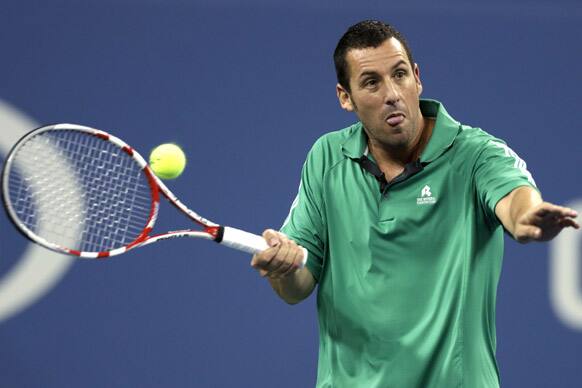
[225, 235]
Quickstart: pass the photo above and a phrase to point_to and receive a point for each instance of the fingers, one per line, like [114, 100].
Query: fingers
[528, 233]
[297, 261]
[545, 222]
[282, 258]
[569, 222]
[550, 216]
[547, 209]
[272, 237]
[283, 261]
[262, 260]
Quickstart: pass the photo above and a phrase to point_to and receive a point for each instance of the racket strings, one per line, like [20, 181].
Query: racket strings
[79, 191]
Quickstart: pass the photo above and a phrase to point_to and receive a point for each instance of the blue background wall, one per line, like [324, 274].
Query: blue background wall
[246, 89]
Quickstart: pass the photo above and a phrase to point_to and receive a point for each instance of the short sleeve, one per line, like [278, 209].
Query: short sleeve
[498, 171]
[305, 223]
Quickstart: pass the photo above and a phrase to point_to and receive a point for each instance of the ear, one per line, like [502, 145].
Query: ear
[417, 78]
[344, 98]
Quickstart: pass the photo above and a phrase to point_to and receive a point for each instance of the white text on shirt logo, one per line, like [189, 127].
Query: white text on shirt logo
[426, 197]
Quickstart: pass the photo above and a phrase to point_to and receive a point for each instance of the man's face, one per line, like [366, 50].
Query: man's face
[385, 88]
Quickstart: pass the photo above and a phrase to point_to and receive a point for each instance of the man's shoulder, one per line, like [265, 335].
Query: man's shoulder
[330, 147]
[335, 139]
[473, 139]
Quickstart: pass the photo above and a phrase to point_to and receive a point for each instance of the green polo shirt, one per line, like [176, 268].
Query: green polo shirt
[407, 278]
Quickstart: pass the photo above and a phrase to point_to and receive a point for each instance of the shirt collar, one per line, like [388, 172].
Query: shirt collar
[443, 134]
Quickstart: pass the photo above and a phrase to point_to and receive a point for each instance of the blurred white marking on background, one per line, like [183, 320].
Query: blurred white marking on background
[38, 270]
[565, 274]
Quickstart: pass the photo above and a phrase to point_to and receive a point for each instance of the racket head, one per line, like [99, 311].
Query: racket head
[79, 190]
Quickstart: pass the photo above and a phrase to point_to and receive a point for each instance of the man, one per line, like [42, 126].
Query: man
[402, 215]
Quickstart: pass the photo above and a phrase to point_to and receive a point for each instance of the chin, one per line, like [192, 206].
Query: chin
[399, 137]
[393, 142]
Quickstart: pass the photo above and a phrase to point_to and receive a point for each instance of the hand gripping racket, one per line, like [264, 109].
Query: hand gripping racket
[81, 191]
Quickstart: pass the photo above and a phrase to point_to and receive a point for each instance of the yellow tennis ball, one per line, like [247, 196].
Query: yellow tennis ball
[167, 161]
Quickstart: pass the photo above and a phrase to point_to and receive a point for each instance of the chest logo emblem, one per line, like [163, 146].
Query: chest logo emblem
[426, 197]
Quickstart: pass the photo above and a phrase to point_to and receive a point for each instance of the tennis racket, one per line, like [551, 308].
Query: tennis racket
[83, 192]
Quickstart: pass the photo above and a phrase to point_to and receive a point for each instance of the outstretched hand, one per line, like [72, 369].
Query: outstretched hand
[544, 222]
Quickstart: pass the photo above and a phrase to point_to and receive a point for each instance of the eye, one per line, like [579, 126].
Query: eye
[400, 74]
[370, 83]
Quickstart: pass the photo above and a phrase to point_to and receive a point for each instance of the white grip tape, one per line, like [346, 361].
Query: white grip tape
[248, 242]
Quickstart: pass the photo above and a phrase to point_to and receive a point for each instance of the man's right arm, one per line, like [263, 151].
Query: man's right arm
[305, 224]
[281, 264]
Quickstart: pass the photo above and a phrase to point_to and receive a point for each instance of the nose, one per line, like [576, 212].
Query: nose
[392, 94]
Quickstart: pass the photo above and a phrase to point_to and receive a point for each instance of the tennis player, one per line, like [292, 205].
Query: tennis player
[403, 215]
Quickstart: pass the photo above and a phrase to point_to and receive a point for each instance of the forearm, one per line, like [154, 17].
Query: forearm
[521, 200]
[295, 287]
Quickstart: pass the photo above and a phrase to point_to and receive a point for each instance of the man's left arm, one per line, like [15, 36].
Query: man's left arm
[527, 217]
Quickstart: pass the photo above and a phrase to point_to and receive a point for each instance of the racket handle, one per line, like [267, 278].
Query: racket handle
[248, 242]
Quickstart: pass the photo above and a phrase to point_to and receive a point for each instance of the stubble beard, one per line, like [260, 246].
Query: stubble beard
[397, 144]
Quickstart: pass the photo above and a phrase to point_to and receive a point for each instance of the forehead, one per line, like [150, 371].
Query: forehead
[376, 59]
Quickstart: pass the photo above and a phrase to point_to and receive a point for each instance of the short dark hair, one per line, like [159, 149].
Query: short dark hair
[367, 33]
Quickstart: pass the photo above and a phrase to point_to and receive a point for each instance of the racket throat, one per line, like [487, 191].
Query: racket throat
[217, 232]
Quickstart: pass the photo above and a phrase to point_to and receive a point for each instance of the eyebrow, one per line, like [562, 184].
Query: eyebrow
[398, 64]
